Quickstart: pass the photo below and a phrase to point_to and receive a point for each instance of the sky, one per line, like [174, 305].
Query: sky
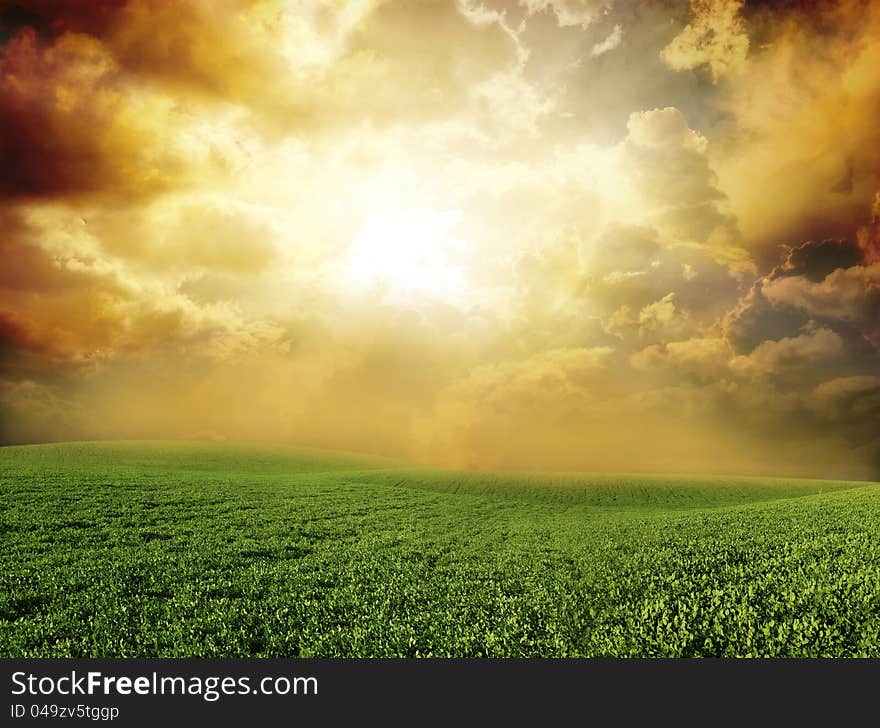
[516, 234]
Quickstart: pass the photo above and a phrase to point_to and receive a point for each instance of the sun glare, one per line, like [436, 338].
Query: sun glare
[408, 256]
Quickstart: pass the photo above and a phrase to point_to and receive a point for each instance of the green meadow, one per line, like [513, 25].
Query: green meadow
[198, 549]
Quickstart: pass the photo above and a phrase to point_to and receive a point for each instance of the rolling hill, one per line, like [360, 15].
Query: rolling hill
[120, 549]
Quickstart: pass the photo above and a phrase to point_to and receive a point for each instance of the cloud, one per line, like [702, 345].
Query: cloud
[799, 118]
[647, 287]
[610, 43]
[777, 356]
[52, 18]
[849, 294]
[666, 242]
[579, 13]
[706, 359]
[35, 412]
[556, 374]
[664, 318]
[716, 37]
[824, 281]
[397, 59]
[289, 67]
[672, 172]
[816, 260]
[843, 397]
[70, 307]
[189, 235]
[69, 126]
[663, 127]
[869, 235]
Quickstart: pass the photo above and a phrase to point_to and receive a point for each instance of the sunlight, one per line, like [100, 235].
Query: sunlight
[408, 255]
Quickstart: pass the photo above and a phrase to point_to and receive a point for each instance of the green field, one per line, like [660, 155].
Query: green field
[196, 549]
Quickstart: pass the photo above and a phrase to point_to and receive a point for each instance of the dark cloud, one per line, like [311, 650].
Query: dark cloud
[634, 278]
[815, 260]
[820, 17]
[32, 352]
[825, 281]
[40, 152]
[869, 235]
[16, 335]
[754, 320]
[160, 39]
[50, 19]
[66, 127]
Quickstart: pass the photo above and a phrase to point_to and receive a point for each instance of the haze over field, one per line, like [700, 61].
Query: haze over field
[556, 234]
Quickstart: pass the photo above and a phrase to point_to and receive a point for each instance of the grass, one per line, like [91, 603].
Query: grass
[183, 549]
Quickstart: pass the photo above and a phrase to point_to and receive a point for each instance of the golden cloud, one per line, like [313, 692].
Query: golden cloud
[533, 234]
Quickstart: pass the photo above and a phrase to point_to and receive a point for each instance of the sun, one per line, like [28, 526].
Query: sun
[408, 256]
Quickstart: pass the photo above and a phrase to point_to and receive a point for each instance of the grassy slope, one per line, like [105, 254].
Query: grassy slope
[122, 549]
